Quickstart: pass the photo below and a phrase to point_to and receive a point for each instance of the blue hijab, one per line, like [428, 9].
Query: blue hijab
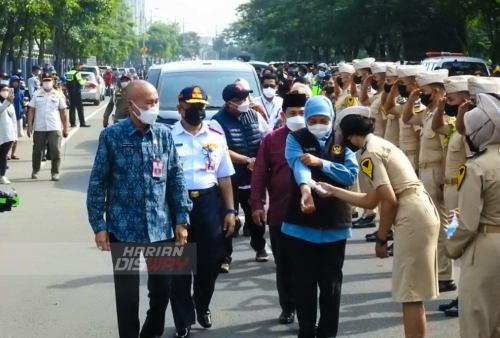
[319, 105]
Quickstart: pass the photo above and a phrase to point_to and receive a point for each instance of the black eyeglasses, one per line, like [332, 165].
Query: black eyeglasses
[269, 86]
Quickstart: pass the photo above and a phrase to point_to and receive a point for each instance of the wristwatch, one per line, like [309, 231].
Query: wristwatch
[249, 160]
[380, 241]
[232, 211]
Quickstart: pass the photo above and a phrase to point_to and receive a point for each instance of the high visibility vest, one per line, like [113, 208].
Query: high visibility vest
[315, 87]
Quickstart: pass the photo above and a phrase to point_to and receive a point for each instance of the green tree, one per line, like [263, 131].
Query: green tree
[189, 43]
[162, 40]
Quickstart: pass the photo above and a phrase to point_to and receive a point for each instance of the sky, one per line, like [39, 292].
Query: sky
[200, 16]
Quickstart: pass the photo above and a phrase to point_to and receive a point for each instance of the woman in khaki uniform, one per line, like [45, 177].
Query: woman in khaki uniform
[477, 238]
[343, 83]
[404, 203]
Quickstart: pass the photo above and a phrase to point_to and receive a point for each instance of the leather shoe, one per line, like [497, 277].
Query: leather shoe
[287, 317]
[447, 306]
[373, 237]
[365, 222]
[84, 125]
[453, 312]
[205, 320]
[447, 285]
[183, 333]
[390, 250]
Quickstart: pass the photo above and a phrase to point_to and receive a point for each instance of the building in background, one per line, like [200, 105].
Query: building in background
[138, 15]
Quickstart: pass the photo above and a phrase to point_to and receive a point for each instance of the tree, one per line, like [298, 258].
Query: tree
[189, 43]
[161, 40]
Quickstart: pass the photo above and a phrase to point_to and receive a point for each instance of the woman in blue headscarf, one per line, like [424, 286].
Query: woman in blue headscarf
[15, 83]
[316, 228]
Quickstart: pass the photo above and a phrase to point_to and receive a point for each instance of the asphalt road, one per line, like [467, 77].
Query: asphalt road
[55, 283]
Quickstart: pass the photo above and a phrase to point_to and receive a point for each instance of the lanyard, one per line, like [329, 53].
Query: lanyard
[264, 104]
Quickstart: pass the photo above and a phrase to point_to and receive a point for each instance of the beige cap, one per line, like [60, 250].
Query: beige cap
[363, 63]
[379, 67]
[487, 85]
[406, 71]
[391, 69]
[346, 68]
[455, 84]
[428, 77]
[356, 110]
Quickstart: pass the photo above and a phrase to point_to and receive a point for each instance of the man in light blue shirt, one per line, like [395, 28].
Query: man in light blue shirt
[318, 228]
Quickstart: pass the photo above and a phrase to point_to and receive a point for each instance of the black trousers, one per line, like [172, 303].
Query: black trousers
[317, 265]
[206, 231]
[127, 297]
[75, 102]
[284, 268]
[257, 241]
[4, 150]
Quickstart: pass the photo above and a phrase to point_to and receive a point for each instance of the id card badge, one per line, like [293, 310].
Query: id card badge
[157, 168]
[210, 167]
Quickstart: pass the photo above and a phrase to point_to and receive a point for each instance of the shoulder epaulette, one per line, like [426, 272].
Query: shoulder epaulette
[215, 130]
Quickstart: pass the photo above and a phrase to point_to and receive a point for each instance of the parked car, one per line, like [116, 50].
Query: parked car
[212, 76]
[97, 72]
[456, 63]
[92, 91]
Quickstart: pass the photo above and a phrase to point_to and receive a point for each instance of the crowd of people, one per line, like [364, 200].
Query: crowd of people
[402, 142]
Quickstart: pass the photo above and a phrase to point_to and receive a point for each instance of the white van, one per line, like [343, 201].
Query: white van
[456, 63]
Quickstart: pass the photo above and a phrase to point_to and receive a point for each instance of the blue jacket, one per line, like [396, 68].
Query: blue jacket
[18, 97]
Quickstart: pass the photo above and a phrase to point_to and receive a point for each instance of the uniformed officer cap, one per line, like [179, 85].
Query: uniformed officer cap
[455, 84]
[357, 110]
[429, 77]
[46, 76]
[193, 94]
[407, 71]
[363, 63]
[346, 68]
[379, 67]
[391, 69]
[487, 85]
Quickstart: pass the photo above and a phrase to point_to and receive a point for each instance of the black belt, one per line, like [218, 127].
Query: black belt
[203, 192]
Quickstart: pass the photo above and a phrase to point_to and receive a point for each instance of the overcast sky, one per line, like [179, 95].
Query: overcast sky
[201, 16]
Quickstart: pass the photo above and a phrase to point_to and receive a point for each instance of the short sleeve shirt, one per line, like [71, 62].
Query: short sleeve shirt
[47, 106]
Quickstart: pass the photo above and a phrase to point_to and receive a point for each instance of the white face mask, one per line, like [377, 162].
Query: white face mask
[4, 94]
[295, 123]
[5, 82]
[125, 84]
[148, 116]
[320, 130]
[47, 85]
[269, 92]
[243, 108]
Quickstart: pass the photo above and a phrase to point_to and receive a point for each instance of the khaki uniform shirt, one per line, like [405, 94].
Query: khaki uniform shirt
[377, 114]
[456, 155]
[345, 100]
[431, 144]
[407, 138]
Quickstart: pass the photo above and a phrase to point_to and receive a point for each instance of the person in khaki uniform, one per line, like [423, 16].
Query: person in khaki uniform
[476, 241]
[391, 132]
[431, 159]
[403, 202]
[342, 89]
[455, 149]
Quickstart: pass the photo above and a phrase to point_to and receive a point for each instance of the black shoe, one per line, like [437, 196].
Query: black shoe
[355, 214]
[246, 231]
[390, 250]
[73, 125]
[262, 256]
[48, 157]
[372, 234]
[44, 159]
[237, 227]
[84, 125]
[453, 312]
[447, 306]
[205, 320]
[287, 317]
[447, 285]
[373, 237]
[365, 222]
[183, 333]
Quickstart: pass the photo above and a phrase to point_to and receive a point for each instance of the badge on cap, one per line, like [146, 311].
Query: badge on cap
[461, 175]
[367, 167]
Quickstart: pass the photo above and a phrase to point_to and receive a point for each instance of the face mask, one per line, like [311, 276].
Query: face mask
[471, 145]
[295, 123]
[426, 99]
[451, 110]
[357, 79]
[350, 146]
[4, 94]
[472, 106]
[321, 73]
[124, 84]
[329, 90]
[47, 85]
[269, 92]
[387, 88]
[403, 91]
[340, 82]
[374, 84]
[194, 116]
[243, 108]
[320, 130]
[148, 116]
[5, 82]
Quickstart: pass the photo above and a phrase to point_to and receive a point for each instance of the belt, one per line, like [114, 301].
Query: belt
[433, 165]
[410, 152]
[202, 192]
[408, 192]
[450, 181]
[488, 229]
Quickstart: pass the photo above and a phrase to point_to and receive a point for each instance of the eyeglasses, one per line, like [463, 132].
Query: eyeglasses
[269, 86]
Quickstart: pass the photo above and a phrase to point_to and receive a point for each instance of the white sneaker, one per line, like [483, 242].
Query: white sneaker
[4, 180]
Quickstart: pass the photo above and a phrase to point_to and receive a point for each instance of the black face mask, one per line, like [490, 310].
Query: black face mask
[472, 106]
[194, 116]
[387, 88]
[471, 145]
[357, 79]
[329, 90]
[403, 91]
[426, 99]
[451, 110]
[350, 146]
[340, 82]
[374, 84]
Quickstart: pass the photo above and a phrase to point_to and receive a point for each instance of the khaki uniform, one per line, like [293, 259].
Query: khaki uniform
[345, 100]
[408, 141]
[377, 114]
[416, 226]
[479, 287]
[431, 173]
[391, 132]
